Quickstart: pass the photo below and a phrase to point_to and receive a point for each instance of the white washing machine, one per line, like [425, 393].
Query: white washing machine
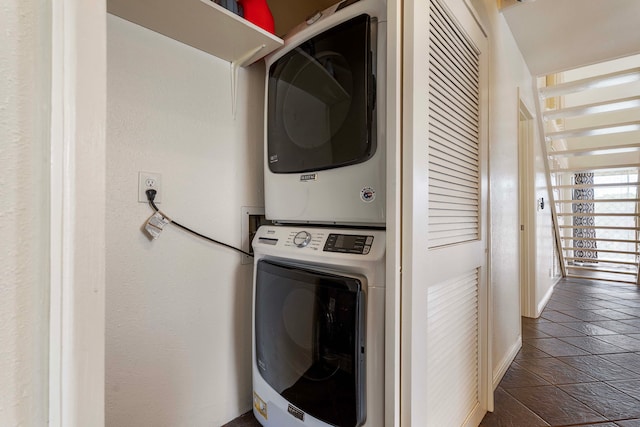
[325, 136]
[318, 327]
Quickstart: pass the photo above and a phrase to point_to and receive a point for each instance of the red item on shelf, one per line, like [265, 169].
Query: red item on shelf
[257, 12]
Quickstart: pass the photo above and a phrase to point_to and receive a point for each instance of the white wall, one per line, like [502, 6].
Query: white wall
[510, 78]
[24, 196]
[178, 345]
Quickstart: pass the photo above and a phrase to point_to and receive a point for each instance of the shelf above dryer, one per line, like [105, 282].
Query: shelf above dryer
[201, 24]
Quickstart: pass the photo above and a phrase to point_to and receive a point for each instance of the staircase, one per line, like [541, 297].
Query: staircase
[590, 119]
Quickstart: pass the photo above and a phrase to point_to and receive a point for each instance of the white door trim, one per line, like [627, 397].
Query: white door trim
[526, 210]
[77, 276]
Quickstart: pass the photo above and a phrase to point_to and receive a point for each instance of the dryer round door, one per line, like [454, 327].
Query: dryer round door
[320, 98]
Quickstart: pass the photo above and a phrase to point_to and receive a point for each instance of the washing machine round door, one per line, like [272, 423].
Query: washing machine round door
[309, 340]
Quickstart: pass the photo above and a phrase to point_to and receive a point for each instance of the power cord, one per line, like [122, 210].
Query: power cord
[151, 195]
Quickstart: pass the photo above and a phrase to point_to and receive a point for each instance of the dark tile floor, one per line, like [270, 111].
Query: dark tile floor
[246, 420]
[580, 361]
[579, 364]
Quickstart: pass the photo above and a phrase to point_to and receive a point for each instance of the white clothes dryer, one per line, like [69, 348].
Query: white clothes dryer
[318, 327]
[325, 136]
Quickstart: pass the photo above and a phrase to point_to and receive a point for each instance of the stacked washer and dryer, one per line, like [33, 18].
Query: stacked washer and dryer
[318, 324]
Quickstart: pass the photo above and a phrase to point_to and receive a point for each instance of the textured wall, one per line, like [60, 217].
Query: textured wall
[508, 74]
[178, 337]
[24, 103]
[508, 71]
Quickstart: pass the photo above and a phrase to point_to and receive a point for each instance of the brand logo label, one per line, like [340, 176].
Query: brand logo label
[309, 177]
[273, 158]
[367, 194]
[296, 412]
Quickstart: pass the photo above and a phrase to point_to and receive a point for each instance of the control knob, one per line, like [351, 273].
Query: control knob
[302, 239]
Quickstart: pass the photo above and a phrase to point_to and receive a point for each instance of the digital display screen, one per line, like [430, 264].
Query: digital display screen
[345, 242]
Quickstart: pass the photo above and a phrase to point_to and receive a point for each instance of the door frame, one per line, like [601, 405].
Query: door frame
[77, 213]
[527, 220]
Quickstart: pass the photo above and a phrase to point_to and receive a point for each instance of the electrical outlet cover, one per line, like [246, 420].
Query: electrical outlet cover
[246, 229]
[147, 181]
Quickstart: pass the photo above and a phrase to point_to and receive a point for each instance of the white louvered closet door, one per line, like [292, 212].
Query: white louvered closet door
[447, 217]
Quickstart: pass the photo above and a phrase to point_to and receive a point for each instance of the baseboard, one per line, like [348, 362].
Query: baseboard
[543, 302]
[507, 361]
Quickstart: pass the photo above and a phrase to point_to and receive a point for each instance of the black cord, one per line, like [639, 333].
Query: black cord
[151, 195]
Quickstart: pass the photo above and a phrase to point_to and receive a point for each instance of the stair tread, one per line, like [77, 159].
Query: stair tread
[602, 270]
[609, 184]
[595, 130]
[577, 276]
[626, 166]
[612, 251]
[595, 108]
[610, 149]
[594, 214]
[605, 80]
[599, 201]
[597, 239]
[603, 261]
[598, 227]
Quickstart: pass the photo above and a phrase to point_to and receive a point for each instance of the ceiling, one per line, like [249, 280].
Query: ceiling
[556, 35]
[553, 35]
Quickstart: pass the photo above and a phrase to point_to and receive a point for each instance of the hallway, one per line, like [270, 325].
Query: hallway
[580, 361]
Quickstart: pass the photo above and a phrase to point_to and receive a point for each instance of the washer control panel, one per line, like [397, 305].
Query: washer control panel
[357, 242]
